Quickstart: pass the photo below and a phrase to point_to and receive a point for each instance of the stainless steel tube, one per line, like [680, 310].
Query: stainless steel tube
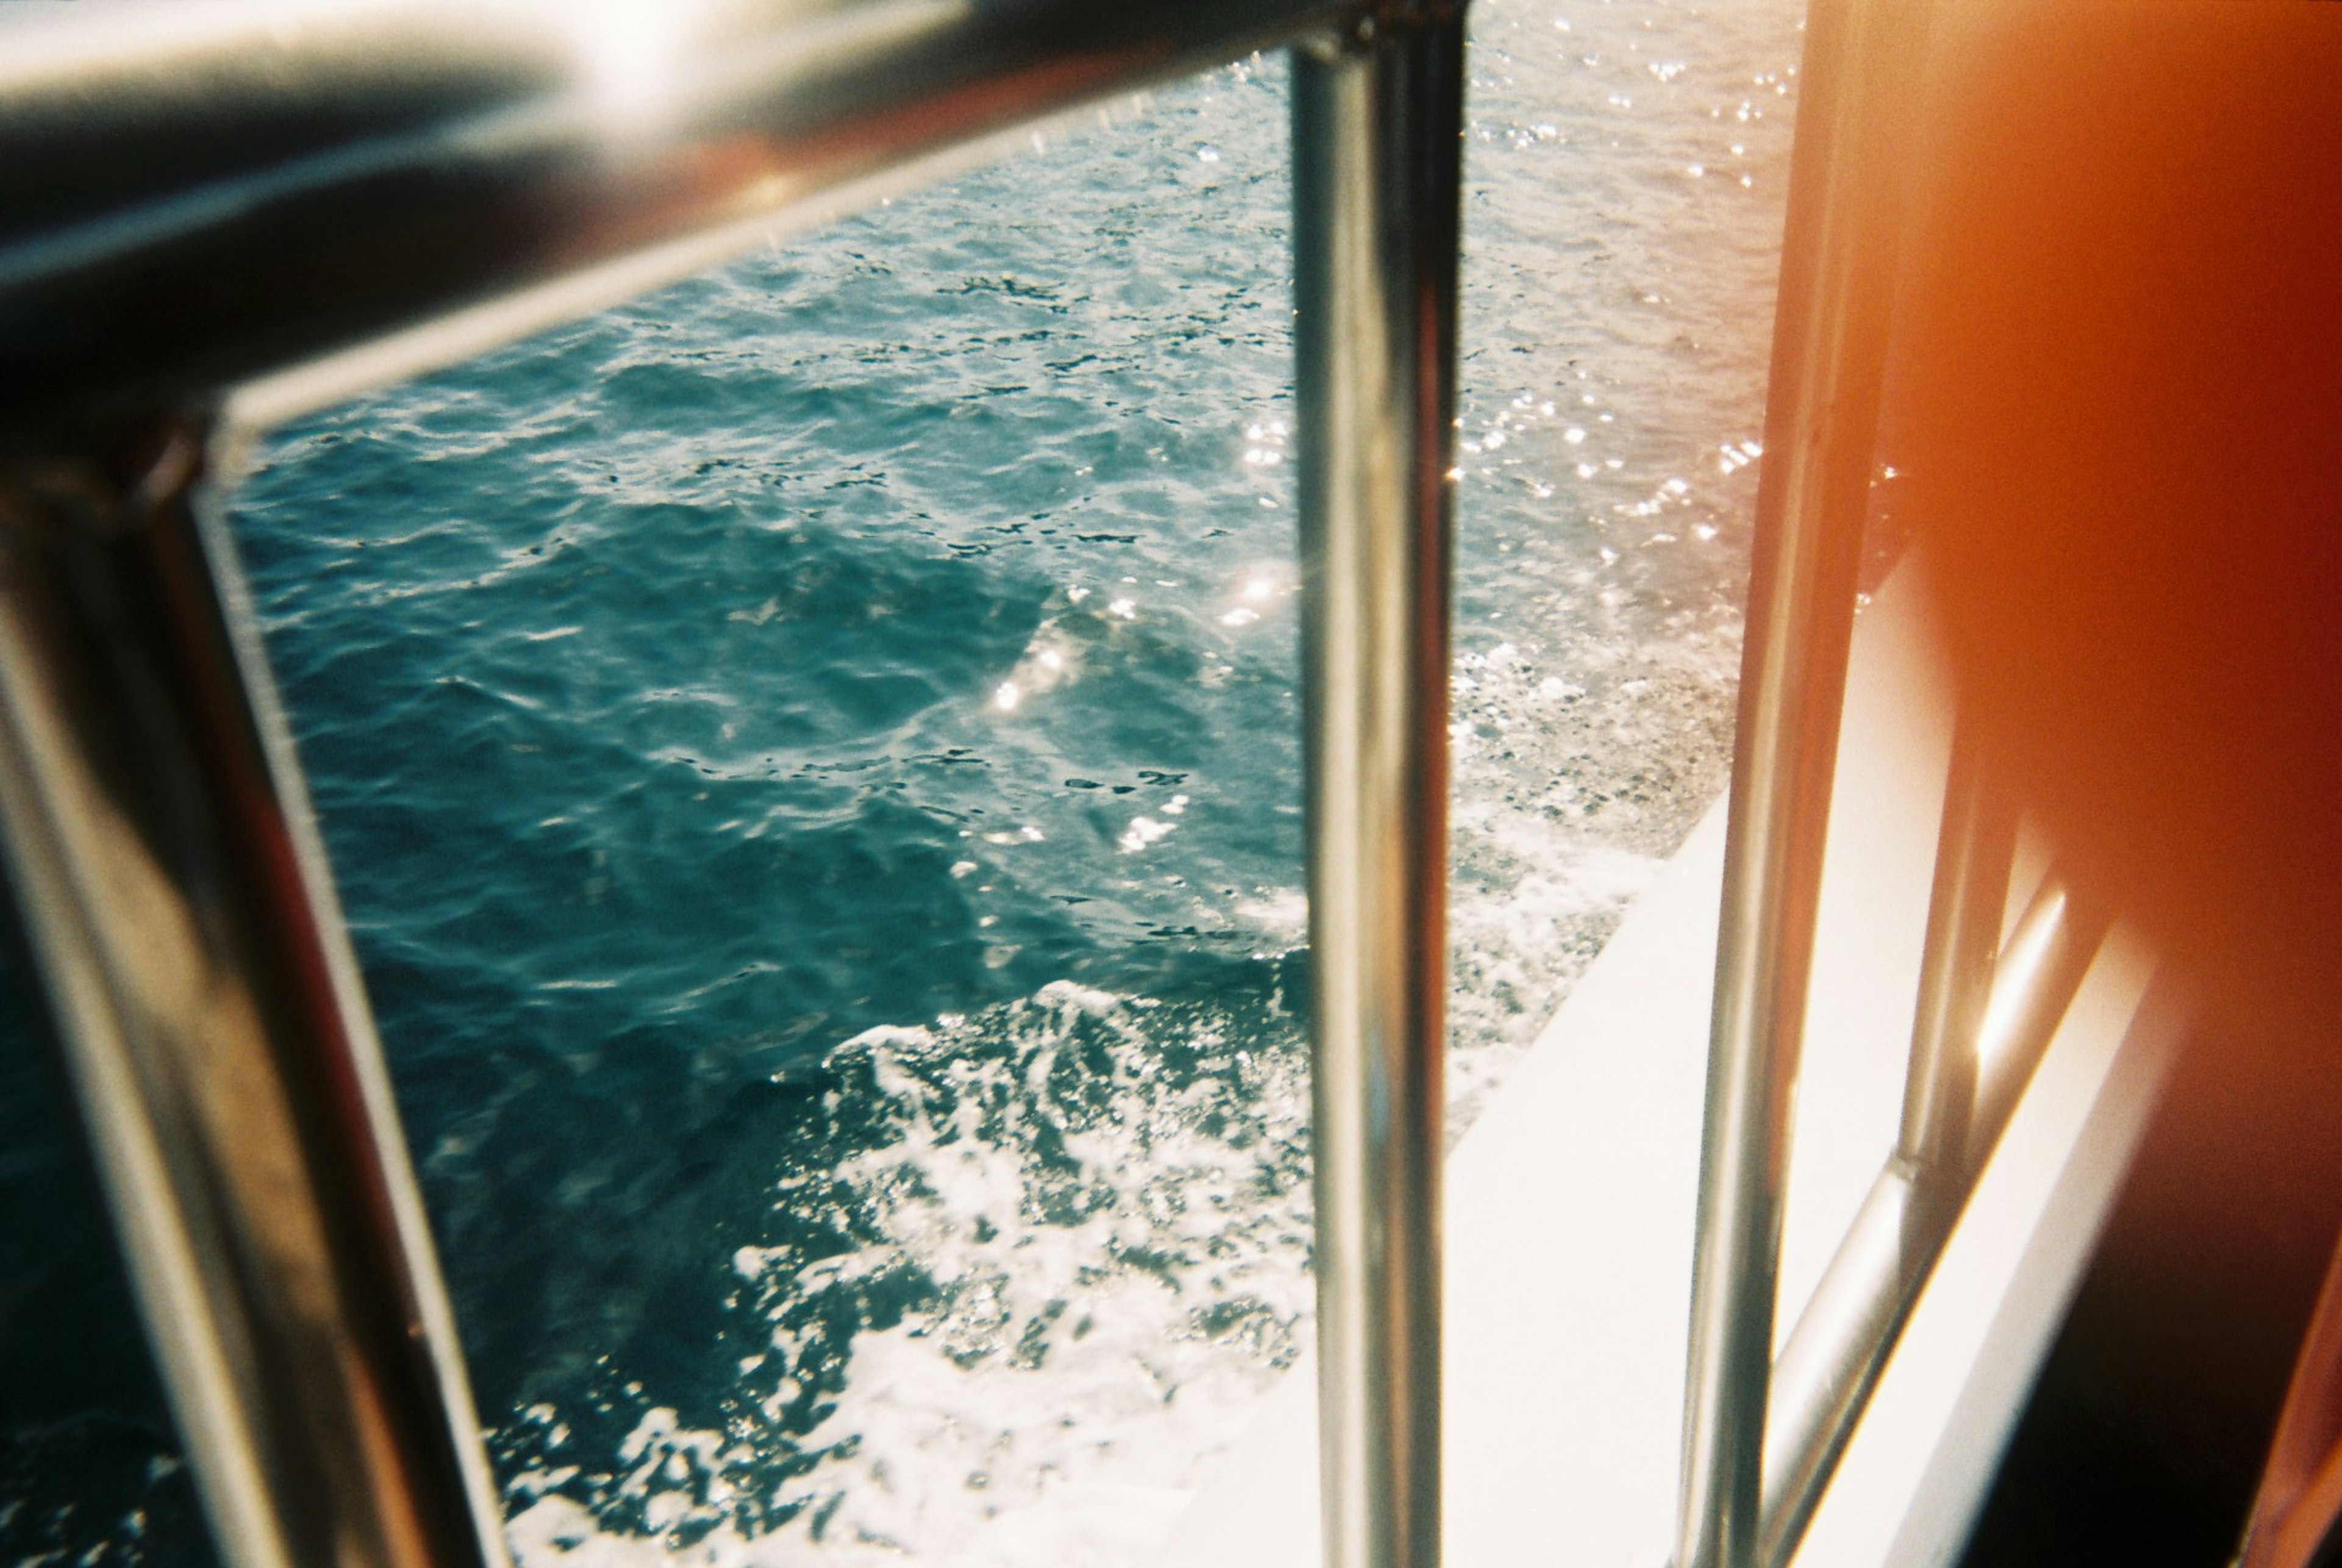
[1839, 1347]
[1861, 64]
[1377, 133]
[2040, 967]
[1833, 1356]
[1974, 851]
[199, 192]
[188, 939]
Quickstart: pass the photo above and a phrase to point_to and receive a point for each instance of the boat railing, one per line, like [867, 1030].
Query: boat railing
[220, 215]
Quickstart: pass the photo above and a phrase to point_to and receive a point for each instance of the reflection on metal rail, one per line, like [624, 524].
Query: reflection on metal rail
[1829, 350]
[223, 213]
[1377, 133]
[170, 886]
[200, 193]
[1963, 1082]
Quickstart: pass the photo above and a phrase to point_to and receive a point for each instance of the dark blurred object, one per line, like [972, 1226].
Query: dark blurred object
[2300, 1497]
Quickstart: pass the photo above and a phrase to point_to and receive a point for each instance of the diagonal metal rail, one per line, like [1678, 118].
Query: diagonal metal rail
[173, 894]
[1986, 1011]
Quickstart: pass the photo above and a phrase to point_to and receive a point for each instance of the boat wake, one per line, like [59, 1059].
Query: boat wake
[1043, 1257]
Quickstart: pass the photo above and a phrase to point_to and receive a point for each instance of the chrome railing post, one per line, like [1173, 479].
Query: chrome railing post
[1378, 154]
[1861, 67]
[174, 896]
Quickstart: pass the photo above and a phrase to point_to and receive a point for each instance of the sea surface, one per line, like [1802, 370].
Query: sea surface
[811, 758]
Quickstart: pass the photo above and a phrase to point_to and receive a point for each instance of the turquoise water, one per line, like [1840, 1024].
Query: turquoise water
[811, 759]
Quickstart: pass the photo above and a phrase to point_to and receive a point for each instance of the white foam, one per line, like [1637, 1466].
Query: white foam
[1051, 1398]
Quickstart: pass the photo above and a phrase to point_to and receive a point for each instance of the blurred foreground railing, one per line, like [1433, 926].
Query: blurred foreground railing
[217, 214]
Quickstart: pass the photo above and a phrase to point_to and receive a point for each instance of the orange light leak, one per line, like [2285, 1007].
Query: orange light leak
[2116, 389]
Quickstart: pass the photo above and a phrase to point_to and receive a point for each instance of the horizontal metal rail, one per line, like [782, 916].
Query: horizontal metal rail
[199, 193]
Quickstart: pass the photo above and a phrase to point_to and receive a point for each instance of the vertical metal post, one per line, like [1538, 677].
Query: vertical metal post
[1378, 154]
[158, 842]
[1860, 74]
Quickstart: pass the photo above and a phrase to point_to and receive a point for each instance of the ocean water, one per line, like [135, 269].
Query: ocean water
[812, 761]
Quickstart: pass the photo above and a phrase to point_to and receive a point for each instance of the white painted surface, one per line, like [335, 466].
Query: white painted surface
[1569, 1204]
